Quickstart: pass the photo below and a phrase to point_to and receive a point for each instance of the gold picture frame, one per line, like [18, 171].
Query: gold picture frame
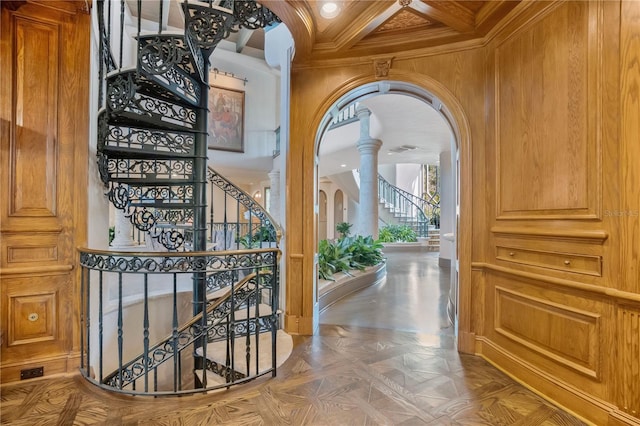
[226, 119]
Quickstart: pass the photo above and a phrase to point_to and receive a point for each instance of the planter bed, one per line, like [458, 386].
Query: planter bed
[332, 291]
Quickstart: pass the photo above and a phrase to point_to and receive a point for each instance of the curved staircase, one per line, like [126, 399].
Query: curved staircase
[404, 208]
[152, 159]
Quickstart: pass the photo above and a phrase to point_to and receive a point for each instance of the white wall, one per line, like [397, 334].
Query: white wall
[330, 189]
[352, 213]
[407, 175]
[388, 172]
[447, 204]
[97, 203]
[261, 112]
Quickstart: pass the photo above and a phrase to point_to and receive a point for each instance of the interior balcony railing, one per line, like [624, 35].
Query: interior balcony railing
[140, 334]
[346, 116]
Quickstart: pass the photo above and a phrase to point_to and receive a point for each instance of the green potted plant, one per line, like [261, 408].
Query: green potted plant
[344, 228]
[262, 237]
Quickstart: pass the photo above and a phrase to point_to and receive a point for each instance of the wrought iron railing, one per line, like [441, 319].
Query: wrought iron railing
[406, 207]
[139, 332]
[236, 220]
[149, 318]
[429, 206]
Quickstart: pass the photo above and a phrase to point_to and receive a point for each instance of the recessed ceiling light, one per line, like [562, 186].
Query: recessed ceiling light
[343, 165]
[329, 10]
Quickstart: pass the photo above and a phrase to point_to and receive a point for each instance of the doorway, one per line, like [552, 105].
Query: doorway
[379, 89]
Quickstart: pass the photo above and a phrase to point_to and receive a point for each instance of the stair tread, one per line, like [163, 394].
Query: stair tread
[132, 119]
[263, 311]
[136, 153]
[148, 85]
[212, 378]
[216, 352]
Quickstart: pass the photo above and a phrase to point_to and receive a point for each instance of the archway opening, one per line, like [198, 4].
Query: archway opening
[415, 93]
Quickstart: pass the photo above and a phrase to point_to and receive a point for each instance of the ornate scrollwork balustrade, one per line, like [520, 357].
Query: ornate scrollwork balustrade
[149, 355]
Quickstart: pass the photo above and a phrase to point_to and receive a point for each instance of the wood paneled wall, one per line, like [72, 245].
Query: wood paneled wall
[44, 119]
[550, 234]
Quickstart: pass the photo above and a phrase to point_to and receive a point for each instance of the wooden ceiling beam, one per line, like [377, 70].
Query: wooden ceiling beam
[363, 25]
[448, 12]
[492, 12]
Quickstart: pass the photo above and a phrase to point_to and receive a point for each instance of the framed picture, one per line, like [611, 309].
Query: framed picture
[226, 119]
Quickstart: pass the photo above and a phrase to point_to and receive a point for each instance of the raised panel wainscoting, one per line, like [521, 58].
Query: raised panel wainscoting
[44, 119]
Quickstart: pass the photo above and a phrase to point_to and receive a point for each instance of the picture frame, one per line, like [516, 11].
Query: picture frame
[226, 119]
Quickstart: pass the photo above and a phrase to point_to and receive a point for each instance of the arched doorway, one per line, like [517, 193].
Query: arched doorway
[430, 92]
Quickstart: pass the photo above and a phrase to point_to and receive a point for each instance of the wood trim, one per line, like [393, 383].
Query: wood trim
[45, 281]
[36, 270]
[65, 364]
[298, 325]
[610, 293]
[575, 235]
[593, 114]
[589, 367]
[566, 262]
[425, 52]
[68, 7]
[629, 359]
[560, 393]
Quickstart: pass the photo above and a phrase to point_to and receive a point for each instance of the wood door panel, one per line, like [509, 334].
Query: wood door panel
[30, 249]
[564, 332]
[629, 361]
[567, 335]
[44, 117]
[548, 146]
[33, 145]
[549, 259]
[32, 318]
[36, 311]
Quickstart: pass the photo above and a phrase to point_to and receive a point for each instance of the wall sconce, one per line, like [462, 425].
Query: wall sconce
[257, 195]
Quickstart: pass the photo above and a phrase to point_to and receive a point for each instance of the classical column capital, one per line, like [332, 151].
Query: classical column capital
[362, 111]
[274, 174]
[369, 146]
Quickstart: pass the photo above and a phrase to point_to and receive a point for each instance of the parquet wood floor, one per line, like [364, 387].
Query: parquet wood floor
[344, 375]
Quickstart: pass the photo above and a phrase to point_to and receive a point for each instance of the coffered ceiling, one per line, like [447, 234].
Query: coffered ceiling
[365, 27]
[361, 28]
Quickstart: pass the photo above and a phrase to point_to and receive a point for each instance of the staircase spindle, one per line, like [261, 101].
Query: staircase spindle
[122, 3]
[100, 325]
[120, 331]
[145, 325]
[161, 17]
[174, 332]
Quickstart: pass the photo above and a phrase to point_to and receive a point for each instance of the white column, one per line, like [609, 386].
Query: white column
[279, 50]
[274, 203]
[368, 148]
[122, 237]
